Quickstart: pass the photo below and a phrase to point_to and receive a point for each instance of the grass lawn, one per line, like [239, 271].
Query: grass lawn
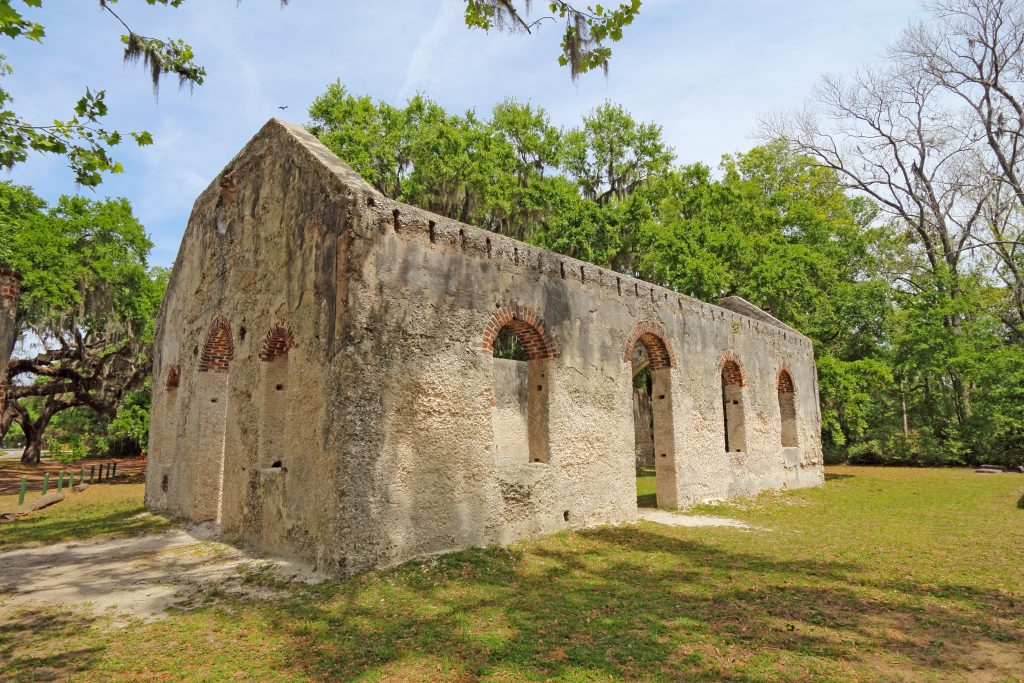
[646, 493]
[101, 510]
[880, 575]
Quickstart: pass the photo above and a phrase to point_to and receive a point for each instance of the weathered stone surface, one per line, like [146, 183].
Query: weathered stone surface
[358, 355]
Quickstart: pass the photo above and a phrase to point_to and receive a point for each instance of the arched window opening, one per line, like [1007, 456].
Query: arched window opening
[732, 407]
[787, 409]
[520, 350]
[274, 405]
[173, 377]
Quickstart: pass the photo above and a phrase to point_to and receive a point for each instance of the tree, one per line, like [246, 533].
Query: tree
[86, 312]
[87, 144]
[973, 51]
[81, 139]
[934, 137]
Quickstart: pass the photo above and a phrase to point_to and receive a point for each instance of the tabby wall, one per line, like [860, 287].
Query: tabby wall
[325, 387]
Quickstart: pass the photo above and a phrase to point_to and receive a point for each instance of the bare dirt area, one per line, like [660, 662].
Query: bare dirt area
[133, 578]
[677, 519]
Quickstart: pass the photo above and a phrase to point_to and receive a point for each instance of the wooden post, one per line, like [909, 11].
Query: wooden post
[115, 470]
[21, 493]
[60, 481]
[46, 482]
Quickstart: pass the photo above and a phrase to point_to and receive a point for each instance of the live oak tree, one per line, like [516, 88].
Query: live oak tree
[87, 144]
[86, 312]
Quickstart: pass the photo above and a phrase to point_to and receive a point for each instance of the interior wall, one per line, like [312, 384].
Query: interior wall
[509, 421]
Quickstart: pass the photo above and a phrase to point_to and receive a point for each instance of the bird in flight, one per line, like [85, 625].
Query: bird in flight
[284, 107]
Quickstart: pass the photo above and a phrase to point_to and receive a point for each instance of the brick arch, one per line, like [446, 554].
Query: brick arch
[784, 381]
[732, 371]
[219, 349]
[278, 342]
[655, 341]
[527, 325]
[173, 376]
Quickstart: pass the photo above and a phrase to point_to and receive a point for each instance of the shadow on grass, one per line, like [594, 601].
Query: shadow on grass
[636, 604]
[46, 645]
[829, 476]
[647, 500]
[1020, 503]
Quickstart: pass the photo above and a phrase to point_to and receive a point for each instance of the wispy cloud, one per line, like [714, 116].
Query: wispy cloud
[435, 61]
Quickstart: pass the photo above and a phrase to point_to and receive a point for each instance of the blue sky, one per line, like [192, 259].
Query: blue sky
[704, 69]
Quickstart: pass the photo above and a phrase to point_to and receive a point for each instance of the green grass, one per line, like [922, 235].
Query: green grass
[102, 510]
[646, 495]
[880, 575]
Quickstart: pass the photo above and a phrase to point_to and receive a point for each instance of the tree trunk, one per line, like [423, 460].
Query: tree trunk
[33, 453]
[906, 423]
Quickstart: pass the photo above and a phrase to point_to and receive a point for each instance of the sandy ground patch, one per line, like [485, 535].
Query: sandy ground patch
[138, 577]
[678, 519]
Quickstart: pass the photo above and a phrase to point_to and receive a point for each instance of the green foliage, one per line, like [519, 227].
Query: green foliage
[69, 449]
[87, 308]
[587, 31]
[78, 260]
[508, 345]
[80, 138]
[580, 191]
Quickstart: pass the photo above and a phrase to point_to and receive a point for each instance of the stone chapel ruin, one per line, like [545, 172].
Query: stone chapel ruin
[326, 383]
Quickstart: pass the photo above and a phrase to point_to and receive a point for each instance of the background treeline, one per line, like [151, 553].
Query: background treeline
[913, 369]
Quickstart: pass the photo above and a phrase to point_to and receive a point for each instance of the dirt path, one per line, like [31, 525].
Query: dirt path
[132, 577]
[678, 519]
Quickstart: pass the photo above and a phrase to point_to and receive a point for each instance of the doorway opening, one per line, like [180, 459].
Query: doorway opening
[654, 442]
